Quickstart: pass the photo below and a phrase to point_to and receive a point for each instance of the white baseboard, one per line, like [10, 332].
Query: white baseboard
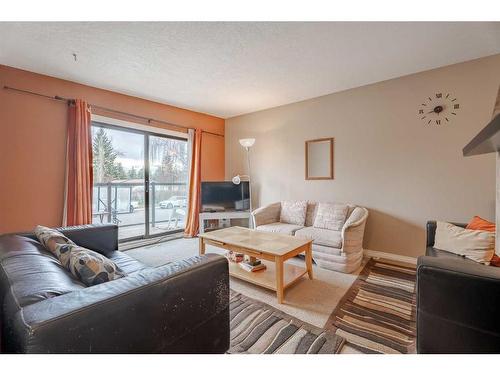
[390, 256]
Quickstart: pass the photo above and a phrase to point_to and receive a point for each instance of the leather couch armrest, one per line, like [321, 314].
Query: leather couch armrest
[267, 214]
[431, 232]
[181, 307]
[457, 306]
[102, 238]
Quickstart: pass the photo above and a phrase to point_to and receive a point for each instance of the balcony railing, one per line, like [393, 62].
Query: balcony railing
[116, 198]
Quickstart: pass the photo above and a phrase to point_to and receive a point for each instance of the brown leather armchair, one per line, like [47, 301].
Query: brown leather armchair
[457, 302]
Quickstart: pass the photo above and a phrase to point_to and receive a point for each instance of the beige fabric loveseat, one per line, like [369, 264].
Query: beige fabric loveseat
[338, 250]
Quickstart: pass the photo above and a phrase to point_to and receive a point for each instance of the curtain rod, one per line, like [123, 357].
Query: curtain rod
[69, 101]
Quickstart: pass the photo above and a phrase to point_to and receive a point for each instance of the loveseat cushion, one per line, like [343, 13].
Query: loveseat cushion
[282, 228]
[331, 216]
[325, 237]
[293, 212]
[312, 209]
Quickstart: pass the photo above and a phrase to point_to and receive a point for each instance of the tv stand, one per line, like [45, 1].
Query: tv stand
[224, 215]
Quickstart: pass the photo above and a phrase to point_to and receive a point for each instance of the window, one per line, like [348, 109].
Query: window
[140, 180]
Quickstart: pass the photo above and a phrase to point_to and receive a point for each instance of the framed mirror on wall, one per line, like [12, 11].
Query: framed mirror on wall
[319, 159]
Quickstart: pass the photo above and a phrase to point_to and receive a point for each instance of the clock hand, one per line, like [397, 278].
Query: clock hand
[437, 109]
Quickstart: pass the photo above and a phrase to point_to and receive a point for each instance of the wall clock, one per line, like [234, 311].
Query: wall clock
[439, 109]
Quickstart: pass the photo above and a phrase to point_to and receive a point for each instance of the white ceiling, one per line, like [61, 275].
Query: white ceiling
[229, 68]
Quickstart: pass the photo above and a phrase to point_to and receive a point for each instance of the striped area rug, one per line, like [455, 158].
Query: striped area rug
[377, 314]
[257, 328]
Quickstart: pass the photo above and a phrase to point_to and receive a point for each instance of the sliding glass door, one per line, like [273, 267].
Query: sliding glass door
[168, 174]
[140, 181]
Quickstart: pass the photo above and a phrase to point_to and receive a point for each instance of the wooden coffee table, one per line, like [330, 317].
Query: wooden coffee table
[272, 249]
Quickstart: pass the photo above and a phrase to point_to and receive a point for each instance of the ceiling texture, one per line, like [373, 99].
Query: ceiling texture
[230, 68]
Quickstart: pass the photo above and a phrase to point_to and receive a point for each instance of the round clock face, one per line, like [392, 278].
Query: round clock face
[438, 109]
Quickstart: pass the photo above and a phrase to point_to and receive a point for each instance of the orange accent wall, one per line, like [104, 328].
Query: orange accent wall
[33, 143]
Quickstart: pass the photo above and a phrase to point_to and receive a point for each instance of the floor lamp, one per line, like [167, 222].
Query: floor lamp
[247, 143]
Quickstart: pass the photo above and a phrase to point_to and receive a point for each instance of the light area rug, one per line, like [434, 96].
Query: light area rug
[311, 301]
[257, 328]
[378, 313]
[372, 313]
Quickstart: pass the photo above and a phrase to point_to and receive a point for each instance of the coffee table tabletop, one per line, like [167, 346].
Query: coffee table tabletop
[272, 248]
[264, 242]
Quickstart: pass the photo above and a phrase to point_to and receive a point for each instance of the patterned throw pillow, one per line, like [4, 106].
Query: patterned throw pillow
[89, 267]
[293, 212]
[49, 238]
[331, 216]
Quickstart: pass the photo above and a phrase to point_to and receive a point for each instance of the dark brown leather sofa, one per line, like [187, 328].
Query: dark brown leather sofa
[181, 307]
[458, 304]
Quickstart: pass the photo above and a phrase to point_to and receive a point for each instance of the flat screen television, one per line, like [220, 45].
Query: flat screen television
[225, 196]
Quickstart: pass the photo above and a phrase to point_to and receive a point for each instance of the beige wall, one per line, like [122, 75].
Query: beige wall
[386, 158]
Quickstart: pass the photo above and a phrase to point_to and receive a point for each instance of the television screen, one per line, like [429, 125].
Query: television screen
[225, 196]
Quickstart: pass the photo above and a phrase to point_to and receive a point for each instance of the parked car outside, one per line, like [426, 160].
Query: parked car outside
[175, 201]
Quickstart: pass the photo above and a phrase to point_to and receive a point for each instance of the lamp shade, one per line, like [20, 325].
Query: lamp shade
[247, 142]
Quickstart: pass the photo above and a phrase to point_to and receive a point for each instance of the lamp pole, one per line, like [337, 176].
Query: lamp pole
[247, 143]
[249, 177]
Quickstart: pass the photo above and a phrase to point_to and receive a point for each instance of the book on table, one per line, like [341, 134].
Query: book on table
[247, 266]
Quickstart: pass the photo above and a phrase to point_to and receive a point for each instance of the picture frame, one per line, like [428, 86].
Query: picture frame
[319, 157]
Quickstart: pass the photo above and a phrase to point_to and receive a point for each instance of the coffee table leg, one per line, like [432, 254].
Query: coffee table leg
[202, 246]
[309, 261]
[279, 279]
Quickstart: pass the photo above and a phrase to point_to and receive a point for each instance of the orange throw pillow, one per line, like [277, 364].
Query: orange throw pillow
[495, 261]
[478, 223]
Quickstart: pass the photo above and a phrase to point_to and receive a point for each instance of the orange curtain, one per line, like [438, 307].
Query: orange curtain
[78, 185]
[192, 221]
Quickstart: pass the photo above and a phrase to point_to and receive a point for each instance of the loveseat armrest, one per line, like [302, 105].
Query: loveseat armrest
[353, 230]
[181, 307]
[456, 306]
[267, 214]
